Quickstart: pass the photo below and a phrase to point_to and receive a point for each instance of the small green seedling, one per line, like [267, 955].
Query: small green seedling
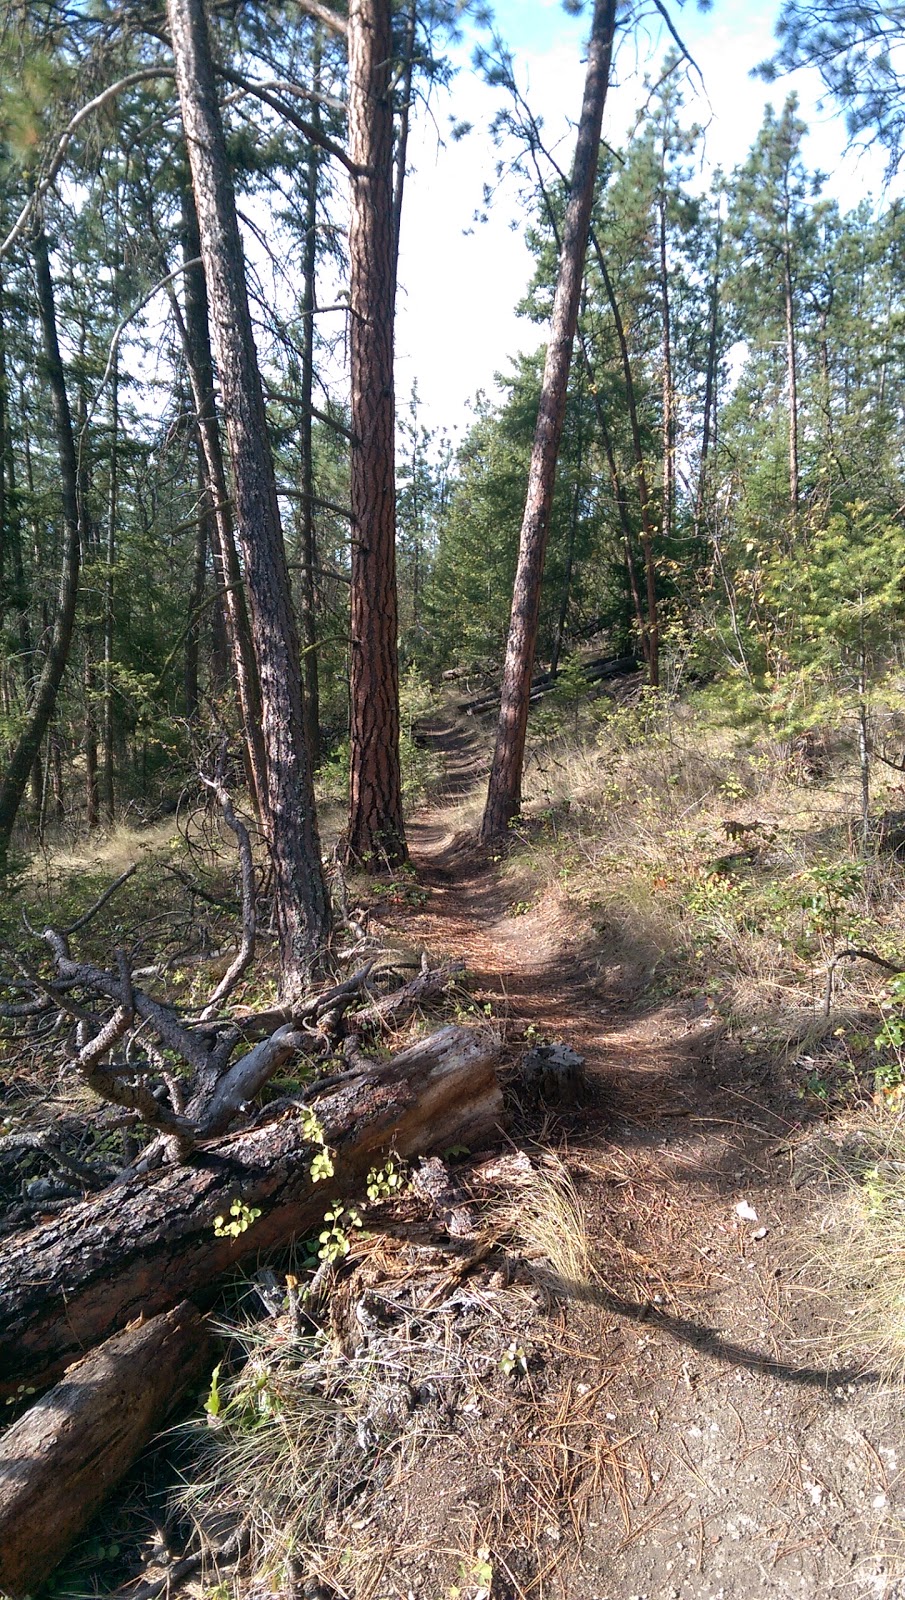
[213, 1405]
[322, 1166]
[514, 1362]
[241, 1219]
[335, 1240]
[384, 1182]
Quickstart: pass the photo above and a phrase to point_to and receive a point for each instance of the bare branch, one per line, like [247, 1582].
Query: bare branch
[853, 954]
[101, 901]
[678, 39]
[246, 952]
[162, 1018]
[248, 1076]
[331, 19]
[312, 134]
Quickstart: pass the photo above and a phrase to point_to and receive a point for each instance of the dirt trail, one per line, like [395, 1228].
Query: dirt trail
[750, 1463]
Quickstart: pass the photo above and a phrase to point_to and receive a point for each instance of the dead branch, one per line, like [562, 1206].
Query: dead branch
[68, 1284]
[426, 986]
[246, 952]
[62, 1458]
[100, 902]
[44, 1143]
[852, 954]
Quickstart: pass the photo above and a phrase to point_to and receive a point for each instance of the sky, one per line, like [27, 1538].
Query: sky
[461, 280]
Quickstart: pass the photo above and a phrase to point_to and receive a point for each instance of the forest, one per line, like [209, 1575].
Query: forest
[452, 934]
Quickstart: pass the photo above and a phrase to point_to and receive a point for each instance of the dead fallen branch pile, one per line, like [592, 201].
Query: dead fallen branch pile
[208, 1177]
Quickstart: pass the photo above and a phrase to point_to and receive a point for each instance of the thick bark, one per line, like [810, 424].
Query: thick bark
[310, 669]
[504, 792]
[303, 903]
[216, 506]
[28, 745]
[376, 832]
[107, 756]
[61, 1459]
[143, 1247]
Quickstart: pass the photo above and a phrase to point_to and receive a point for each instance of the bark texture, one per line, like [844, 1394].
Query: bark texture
[217, 506]
[142, 1248]
[376, 832]
[504, 792]
[19, 768]
[62, 1458]
[303, 904]
[310, 667]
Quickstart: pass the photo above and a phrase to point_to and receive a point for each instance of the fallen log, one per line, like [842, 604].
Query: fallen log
[61, 1459]
[144, 1246]
[598, 670]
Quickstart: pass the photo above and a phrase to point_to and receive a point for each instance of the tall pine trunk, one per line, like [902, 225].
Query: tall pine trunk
[376, 833]
[310, 666]
[303, 904]
[708, 425]
[651, 630]
[15, 779]
[215, 509]
[669, 429]
[792, 372]
[505, 789]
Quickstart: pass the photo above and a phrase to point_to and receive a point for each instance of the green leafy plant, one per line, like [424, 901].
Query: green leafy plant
[213, 1405]
[335, 1239]
[514, 1361]
[384, 1182]
[241, 1217]
[321, 1166]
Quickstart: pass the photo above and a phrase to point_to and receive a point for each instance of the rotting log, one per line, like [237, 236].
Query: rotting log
[61, 1459]
[140, 1248]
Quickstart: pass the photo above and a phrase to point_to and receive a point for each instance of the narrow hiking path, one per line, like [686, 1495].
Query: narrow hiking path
[743, 1459]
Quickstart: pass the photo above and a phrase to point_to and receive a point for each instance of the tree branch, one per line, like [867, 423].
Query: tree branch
[143, 75]
[312, 134]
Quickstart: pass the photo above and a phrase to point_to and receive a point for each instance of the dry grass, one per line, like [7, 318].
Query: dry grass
[547, 1224]
[632, 822]
[858, 1256]
[422, 1388]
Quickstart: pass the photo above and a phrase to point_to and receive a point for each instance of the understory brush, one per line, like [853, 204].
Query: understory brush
[724, 862]
[860, 1246]
[715, 858]
[311, 1433]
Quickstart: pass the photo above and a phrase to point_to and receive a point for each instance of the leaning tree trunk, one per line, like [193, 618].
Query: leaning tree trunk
[142, 1247]
[376, 832]
[303, 903]
[15, 779]
[505, 789]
